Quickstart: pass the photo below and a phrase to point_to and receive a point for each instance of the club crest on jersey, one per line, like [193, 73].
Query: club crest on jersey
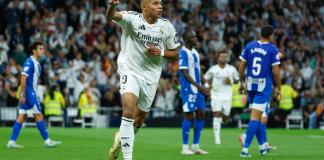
[26, 69]
[161, 31]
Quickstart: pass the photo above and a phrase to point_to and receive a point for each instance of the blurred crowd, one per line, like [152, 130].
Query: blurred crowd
[82, 46]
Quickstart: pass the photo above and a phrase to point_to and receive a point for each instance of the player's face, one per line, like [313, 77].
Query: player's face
[153, 8]
[222, 58]
[39, 51]
[192, 39]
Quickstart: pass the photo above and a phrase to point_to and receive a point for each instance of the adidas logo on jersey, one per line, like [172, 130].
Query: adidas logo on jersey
[126, 145]
[142, 27]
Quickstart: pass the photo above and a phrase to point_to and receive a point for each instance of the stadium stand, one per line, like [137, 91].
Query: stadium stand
[82, 47]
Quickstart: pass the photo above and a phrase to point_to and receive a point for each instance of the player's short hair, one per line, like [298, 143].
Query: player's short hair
[34, 45]
[143, 2]
[186, 34]
[222, 52]
[267, 31]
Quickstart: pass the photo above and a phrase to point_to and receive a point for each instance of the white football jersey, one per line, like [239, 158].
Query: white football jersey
[217, 75]
[137, 36]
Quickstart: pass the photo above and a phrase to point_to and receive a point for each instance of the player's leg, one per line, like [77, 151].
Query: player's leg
[41, 126]
[40, 123]
[224, 117]
[257, 106]
[17, 128]
[138, 123]
[140, 116]
[126, 129]
[188, 108]
[264, 121]
[217, 120]
[124, 138]
[186, 125]
[198, 126]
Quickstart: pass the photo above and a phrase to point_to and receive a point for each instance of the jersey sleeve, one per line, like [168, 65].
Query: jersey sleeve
[128, 16]
[209, 74]
[244, 54]
[275, 59]
[183, 60]
[27, 69]
[172, 40]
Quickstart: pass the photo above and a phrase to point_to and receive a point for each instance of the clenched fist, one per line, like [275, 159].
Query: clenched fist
[113, 2]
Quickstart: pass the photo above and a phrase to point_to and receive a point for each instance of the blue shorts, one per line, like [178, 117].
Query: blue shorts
[32, 104]
[259, 100]
[191, 102]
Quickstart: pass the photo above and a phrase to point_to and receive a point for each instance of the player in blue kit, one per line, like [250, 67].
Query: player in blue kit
[261, 59]
[28, 99]
[192, 93]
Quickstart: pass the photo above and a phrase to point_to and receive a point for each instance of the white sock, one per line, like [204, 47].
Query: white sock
[245, 150]
[195, 146]
[261, 147]
[185, 147]
[127, 137]
[47, 140]
[11, 141]
[217, 129]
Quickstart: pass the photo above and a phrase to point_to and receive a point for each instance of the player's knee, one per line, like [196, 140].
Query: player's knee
[201, 116]
[39, 117]
[188, 115]
[217, 114]
[264, 120]
[21, 118]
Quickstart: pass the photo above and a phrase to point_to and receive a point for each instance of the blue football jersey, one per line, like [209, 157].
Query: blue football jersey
[32, 70]
[189, 59]
[260, 57]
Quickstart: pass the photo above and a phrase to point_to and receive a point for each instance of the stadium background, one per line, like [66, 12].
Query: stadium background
[82, 48]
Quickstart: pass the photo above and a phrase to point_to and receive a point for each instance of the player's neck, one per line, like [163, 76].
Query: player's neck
[150, 19]
[189, 47]
[221, 65]
[264, 40]
[36, 57]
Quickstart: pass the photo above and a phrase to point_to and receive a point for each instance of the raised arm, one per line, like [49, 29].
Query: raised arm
[111, 11]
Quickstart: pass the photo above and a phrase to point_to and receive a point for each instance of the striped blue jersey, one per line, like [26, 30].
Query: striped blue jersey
[32, 70]
[260, 57]
[189, 59]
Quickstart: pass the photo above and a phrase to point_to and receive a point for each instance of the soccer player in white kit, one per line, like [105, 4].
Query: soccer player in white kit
[146, 42]
[221, 77]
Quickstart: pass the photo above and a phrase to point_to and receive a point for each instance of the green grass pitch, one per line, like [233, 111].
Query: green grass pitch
[160, 144]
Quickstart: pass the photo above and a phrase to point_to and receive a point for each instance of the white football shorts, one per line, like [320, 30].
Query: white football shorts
[145, 92]
[223, 106]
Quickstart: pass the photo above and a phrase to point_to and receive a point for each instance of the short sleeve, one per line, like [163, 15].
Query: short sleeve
[209, 74]
[244, 54]
[183, 60]
[172, 41]
[275, 57]
[27, 68]
[128, 16]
